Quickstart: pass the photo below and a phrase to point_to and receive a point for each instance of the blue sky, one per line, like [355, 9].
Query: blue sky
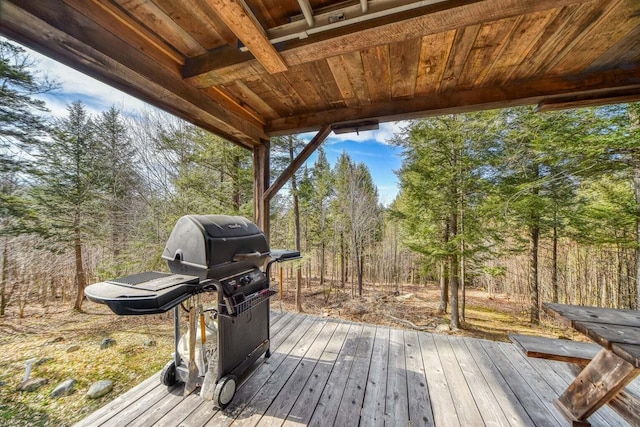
[369, 147]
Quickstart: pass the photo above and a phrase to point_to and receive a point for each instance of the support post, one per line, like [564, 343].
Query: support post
[260, 185]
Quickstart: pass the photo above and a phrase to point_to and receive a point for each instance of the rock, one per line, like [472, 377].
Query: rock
[107, 342]
[43, 361]
[64, 388]
[443, 327]
[99, 389]
[54, 341]
[150, 343]
[2, 383]
[72, 348]
[32, 384]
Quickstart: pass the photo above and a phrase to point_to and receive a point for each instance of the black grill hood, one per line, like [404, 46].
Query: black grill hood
[215, 246]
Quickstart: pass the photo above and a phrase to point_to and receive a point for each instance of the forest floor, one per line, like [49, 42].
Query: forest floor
[66, 344]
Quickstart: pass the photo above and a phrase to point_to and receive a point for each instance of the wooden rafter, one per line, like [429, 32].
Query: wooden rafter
[64, 33]
[589, 100]
[242, 23]
[214, 67]
[315, 142]
[515, 94]
[307, 11]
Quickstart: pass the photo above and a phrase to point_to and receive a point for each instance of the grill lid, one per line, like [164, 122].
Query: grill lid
[213, 246]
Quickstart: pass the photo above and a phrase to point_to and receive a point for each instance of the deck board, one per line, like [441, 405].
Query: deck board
[373, 406]
[325, 371]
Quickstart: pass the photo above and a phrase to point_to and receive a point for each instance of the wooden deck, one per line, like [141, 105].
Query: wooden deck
[327, 372]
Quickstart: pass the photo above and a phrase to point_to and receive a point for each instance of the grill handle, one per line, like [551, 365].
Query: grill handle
[246, 256]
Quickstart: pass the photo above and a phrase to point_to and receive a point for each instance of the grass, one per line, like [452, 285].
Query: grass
[127, 363]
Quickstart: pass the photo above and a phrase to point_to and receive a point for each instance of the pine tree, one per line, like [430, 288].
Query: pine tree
[22, 124]
[537, 179]
[119, 178]
[68, 186]
[444, 185]
[320, 200]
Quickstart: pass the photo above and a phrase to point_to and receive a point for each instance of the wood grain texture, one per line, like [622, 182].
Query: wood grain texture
[249, 31]
[404, 61]
[161, 24]
[513, 94]
[396, 397]
[490, 41]
[377, 72]
[463, 397]
[319, 367]
[434, 55]
[309, 397]
[529, 29]
[480, 389]
[390, 64]
[102, 54]
[420, 413]
[373, 407]
[398, 27]
[596, 385]
[556, 349]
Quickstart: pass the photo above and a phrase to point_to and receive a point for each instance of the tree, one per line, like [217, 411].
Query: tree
[617, 143]
[537, 179]
[119, 179]
[67, 186]
[444, 183]
[356, 205]
[21, 125]
[286, 148]
[320, 200]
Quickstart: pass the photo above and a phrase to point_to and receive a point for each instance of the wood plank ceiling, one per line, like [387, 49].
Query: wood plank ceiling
[251, 69]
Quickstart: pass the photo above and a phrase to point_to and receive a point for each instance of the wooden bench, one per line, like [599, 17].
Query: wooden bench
[569, 351]
[578, 354]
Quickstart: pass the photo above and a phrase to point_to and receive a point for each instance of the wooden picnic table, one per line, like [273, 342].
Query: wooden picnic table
[615, 365]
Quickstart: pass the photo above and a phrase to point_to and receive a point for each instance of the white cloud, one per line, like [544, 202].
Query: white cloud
[382, 135]
[96, 95]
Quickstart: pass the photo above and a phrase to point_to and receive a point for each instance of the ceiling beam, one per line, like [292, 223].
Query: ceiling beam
[64, 33]
[307, 11]
[364, 5]
[589, 100]
[242, 23]
[315, 142]
[223, 65]
[510, 95]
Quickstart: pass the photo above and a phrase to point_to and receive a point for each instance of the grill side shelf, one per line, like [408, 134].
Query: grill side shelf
[233, 307]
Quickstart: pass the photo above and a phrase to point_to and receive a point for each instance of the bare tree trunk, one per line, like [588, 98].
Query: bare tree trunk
[444, 275]
[636, 187]
[81, 281]
[554, 267]
[322, 261]
[454, 267]
[534, 310]
[463, 264]
[343, 269]
[444, 288]
[4, 277]
[296, 220]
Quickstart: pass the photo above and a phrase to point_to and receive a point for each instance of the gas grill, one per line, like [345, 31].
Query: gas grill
[226, 255]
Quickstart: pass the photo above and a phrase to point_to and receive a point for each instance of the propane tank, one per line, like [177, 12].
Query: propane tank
[210, 347]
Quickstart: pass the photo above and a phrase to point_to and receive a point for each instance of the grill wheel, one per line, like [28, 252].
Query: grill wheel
[225, 390]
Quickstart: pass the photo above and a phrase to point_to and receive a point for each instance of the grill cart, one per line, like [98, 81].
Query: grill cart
[221, 254]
